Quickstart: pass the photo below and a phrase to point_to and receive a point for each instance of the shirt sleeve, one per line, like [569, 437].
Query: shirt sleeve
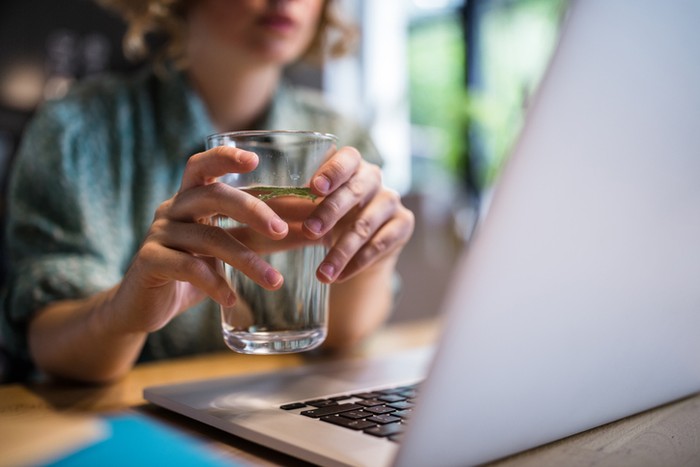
[66, 234]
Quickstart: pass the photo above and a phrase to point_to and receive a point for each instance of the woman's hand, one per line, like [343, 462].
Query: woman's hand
[174, 268]
[365, 222]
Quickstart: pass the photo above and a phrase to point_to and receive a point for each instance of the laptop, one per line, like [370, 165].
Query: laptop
[576, 304]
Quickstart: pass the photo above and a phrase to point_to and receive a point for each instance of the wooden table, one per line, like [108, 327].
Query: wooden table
[666, 436]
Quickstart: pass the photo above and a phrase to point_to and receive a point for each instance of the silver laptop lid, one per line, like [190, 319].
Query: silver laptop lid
[579, 301]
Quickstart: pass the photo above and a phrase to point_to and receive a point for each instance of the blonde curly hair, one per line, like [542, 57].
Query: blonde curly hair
[166, 22]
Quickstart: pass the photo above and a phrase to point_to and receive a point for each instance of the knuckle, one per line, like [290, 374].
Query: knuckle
[393, 196]
[405, 215]
[392, 200]
[248, 262]
[410, 217]
[334, 169]
[355, 187]
[352, 153]
[362, 228]
[216, 192]
[163, 209]
[256, 206]
[193, 161]
[379, 246]
[194, 265]
[159, 225]
[341, 255]
[333, 206]
[370, 252]
[217, 188]
[211, 235]
[149, 251]
[376, 172]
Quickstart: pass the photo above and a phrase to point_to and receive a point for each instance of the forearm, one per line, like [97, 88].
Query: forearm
[360, 305]
[77, 339]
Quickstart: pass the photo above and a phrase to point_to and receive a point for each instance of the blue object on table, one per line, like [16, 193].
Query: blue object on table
[135, 440]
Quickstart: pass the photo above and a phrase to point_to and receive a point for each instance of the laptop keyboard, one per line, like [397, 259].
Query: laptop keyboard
[381, 413]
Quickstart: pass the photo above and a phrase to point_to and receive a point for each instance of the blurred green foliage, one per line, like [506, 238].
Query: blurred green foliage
[438, 95]
[516, 40]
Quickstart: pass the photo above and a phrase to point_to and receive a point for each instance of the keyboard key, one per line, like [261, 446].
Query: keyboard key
[403, 413]
[409, 393]
[356, 414]
[367, 395]
[396, 438]
[391, 398]
[370, 402]
[348, 423]
[293, 405]
[321, 402]
[401, 405]
[383, 419]
[383, 431]
[392, 390]
[330, 410]
[380, 409]
[340, 398]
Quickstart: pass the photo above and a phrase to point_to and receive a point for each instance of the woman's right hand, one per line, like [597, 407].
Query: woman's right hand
[174, 268]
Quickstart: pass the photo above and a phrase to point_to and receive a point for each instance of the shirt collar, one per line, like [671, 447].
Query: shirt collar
[186, 122]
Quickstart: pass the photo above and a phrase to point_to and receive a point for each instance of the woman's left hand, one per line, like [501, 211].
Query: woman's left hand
[364, 221]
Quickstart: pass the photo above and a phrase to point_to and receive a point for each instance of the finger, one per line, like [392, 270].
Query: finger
[170, 264]
[361, 231]
[356, 192]
[337, 170]
[204, 167]
[390, 238]
[200, 203]
[214, 241]
[263, 245]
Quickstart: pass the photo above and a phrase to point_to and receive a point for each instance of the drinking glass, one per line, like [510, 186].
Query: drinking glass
[295, 317]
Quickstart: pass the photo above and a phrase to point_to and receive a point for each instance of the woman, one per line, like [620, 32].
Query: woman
[98, 281]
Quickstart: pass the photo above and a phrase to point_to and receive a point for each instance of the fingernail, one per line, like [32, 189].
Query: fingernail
[314, 225]
[322, 184]
[328, 270]
[273, 277]
[246, 157]
[278, 225]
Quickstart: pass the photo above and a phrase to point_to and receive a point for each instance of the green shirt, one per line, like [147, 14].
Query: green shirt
[89, 175]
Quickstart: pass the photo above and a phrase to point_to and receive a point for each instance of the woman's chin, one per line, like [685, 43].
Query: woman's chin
[277, 51]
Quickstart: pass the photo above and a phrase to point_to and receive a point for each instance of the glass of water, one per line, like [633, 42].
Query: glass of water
[295, 317]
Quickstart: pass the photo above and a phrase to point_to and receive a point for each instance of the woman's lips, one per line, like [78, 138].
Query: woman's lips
[278, 23]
